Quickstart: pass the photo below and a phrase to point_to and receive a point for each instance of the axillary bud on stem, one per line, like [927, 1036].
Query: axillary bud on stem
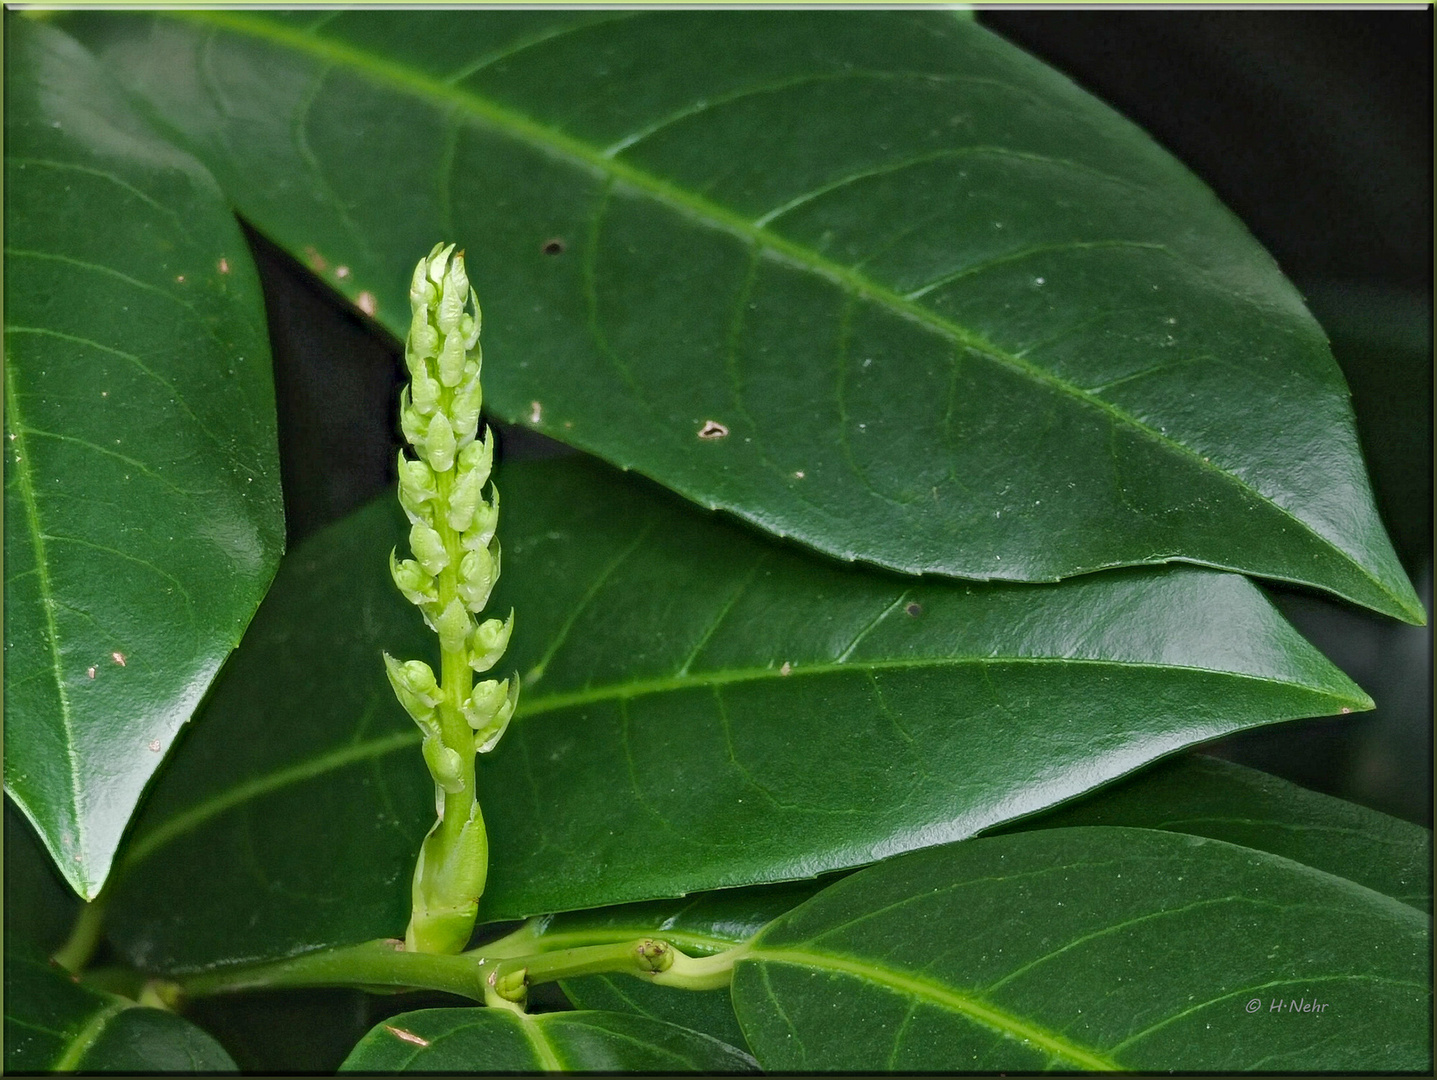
[450, 577]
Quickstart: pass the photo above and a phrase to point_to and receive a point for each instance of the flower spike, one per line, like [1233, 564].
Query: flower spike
[453, 571]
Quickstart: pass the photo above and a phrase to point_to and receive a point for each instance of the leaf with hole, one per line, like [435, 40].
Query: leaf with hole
[879, 282]
[1090, 948]
[702, 709]
[497, 1040]
[142, 508]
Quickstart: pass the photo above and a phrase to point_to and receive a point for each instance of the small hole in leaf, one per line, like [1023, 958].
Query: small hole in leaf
[914, 609]
[554, 246]
[712, 429]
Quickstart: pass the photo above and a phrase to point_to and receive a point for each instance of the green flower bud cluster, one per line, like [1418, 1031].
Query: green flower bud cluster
[452, 525]
[450, 577]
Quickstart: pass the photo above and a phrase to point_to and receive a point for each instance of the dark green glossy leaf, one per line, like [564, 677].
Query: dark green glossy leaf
[497, 1040]
[1206, 796]
[1091, 948]
[701, 709]
[142, 511]
[54, 1024]
[954, 315]
[707, 1011]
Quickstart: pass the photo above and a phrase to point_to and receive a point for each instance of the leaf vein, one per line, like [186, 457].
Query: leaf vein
[943, 997]
[25, 480]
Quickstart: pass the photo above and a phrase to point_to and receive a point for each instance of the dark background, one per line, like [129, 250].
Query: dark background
[1315, 127]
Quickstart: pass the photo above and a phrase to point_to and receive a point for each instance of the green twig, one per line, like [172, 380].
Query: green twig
[496, 980]
[383, 963]
[84, 939]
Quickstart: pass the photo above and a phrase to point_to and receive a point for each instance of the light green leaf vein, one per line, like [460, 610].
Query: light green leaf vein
[943, 997]
[25, 481]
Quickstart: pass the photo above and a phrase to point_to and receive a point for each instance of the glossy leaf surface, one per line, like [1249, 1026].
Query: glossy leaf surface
[497, 1040]
[701, 709]
[1207, 796]
[707, 1011]
[142, 511]
[877, 281]
[53, 1024]
[1092, 948]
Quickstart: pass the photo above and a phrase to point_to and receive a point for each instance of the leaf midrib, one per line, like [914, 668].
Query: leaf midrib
[708, 213]
[24, 480]
[85, 1038]
[538, 1041]
[724, 677]
[186, 820]
[939, 996]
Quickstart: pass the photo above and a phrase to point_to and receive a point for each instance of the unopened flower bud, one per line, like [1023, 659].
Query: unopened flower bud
[486, 738]
[428, 548]
[414, 686]
[464, 499]
[413, 581]
[484, 702]
[438, 447]
[445, 765]
[478, 571]
[456, 278]
[436, 263]
[453, 293]
[451, 359]
[421, 290]
[488, 642]
[453, 626]
[481, 529]
[411, 421]
[425, 392]
[416, 488]
[478, 457]
[464, 412]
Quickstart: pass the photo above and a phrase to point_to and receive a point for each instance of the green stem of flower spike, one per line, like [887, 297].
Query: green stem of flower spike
[455, 566]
